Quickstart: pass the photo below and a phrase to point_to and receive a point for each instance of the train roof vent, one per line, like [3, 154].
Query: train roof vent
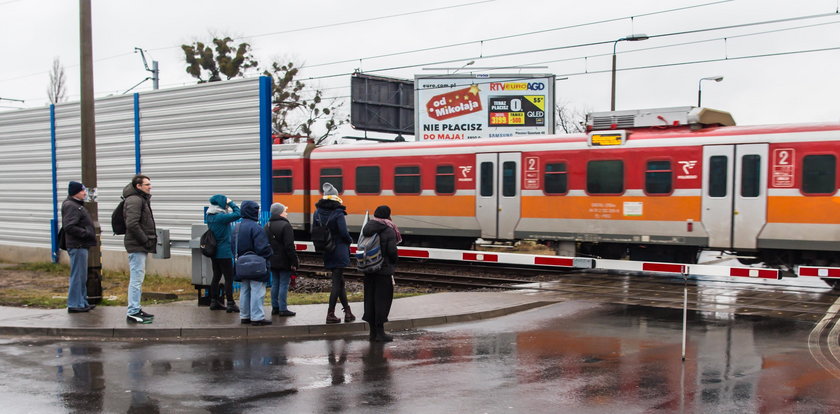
[658, 117]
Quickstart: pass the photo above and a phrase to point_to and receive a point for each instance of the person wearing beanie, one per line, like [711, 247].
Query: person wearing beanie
[379, 287]
[79, 235]
[330, 213]
[284, 259]
[221, 212]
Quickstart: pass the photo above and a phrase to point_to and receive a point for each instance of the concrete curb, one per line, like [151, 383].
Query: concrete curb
[273, 331]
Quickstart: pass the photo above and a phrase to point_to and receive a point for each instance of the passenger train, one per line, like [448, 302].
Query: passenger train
[659, 184]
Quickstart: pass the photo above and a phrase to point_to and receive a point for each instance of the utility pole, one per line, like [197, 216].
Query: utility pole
[89, 147]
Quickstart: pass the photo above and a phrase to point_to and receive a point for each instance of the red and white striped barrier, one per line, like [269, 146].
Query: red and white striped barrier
[589, 263]
[824, 272]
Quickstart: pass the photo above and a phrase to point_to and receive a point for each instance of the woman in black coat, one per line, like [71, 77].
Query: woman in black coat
[379, 285]
[330, 213]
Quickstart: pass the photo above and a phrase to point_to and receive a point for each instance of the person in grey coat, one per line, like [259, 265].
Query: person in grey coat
[140, 240]
[79, 235]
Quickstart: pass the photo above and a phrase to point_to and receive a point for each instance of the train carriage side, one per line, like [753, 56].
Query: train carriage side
[429, 187]
[290, 172]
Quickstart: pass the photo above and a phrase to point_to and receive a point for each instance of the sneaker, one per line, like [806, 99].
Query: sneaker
[216, 306]
[77, 310]
[145, 315]
[275, 311]
[231, 308]
[261, 323]
[91, 307]
[245, 321]
[137, 318]
[286, 313]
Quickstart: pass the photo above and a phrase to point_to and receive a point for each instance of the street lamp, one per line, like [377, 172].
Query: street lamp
[630, 38]
[700, 84]
[465, 65]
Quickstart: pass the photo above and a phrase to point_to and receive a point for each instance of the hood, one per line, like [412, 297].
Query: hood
[373, 227]
[326, 204]
[250, 210]
[219, 200]
[129, 190]
[214, 209]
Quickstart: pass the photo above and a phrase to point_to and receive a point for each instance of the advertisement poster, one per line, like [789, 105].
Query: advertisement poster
[455, 107]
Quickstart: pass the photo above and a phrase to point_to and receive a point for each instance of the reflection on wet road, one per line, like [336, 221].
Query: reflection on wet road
[569, 357]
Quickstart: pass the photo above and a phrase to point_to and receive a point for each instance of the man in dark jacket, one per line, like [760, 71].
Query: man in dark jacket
[79, 235]
[284, 259]
[379, 285]
[330, 213]
[140, 240]
[220, 214]
[248, 236]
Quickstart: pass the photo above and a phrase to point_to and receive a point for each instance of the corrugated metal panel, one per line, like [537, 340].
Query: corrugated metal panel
[196, 142]
[25, 178]
[114, 155]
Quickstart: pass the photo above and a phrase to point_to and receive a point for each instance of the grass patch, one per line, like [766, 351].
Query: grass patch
[49, 268]
[20, 297]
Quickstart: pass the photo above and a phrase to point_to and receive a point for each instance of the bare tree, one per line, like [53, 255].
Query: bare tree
[570, 120]
[299, 117]
[57, 91]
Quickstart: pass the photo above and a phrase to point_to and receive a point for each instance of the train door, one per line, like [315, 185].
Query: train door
[497, 194]
[734, 194]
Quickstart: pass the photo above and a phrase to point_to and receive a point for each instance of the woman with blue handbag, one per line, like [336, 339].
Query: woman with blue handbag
[252, 250]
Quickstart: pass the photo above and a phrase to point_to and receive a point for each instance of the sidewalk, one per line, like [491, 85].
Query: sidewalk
[187, 320]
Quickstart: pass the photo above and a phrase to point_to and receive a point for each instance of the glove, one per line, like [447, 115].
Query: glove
[229, 201]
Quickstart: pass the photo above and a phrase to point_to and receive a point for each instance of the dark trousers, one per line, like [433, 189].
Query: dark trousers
[222, 267]
[338, 292]
[379, 294]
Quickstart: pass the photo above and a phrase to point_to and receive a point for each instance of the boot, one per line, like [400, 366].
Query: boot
[215, 305]
[331, 318]
[231, 307]
[372, 335]
[348, 316]
[380, 335]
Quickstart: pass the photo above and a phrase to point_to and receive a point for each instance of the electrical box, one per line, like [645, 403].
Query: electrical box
[163, 244]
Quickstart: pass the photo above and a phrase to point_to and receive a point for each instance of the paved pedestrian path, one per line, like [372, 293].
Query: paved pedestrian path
[187, 320]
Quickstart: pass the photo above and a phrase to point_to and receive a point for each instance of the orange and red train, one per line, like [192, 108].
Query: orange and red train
[648, 185]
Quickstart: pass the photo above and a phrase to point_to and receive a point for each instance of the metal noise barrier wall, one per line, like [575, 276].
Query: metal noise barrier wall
[194, 142]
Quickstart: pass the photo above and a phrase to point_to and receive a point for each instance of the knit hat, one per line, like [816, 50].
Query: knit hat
[74, 188]
[330, 193]
[383, 212]
[219, 200]
[277, 209]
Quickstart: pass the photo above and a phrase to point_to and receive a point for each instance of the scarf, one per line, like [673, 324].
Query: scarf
[390, 224]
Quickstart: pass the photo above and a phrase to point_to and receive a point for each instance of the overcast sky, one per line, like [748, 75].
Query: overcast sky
[787, 87]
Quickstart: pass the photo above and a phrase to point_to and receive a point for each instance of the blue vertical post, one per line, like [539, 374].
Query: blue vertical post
[137, 133]
[265, 147]
[54, 221]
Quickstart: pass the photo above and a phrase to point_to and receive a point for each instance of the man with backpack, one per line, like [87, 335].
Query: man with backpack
[378, 281]
[220, 214]
[140, 240]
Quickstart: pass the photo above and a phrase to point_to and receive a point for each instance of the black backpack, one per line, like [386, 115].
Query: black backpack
[118, 218]
[208, 244]
[321, 236]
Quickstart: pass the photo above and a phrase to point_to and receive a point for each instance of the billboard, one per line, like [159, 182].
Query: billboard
[382, 104]
[455, 107]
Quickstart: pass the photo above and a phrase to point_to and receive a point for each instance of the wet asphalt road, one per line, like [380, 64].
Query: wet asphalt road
[575, 356]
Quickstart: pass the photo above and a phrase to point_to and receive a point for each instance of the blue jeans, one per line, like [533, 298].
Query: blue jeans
[280, 289]
[137, 270]
[77, 292]
[251, 296]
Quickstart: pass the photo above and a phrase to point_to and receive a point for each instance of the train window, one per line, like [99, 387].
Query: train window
[750, 175]
[605, 177]
[332, 176]
[508, 179]
[717, 175]
[282, 181]
[367, 180]
[486, 179]
[407, 180]
[556, 180]
[658, 177]
[819, 174]
[445, 179]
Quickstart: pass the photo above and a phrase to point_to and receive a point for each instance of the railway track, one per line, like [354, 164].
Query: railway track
[719, 296]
